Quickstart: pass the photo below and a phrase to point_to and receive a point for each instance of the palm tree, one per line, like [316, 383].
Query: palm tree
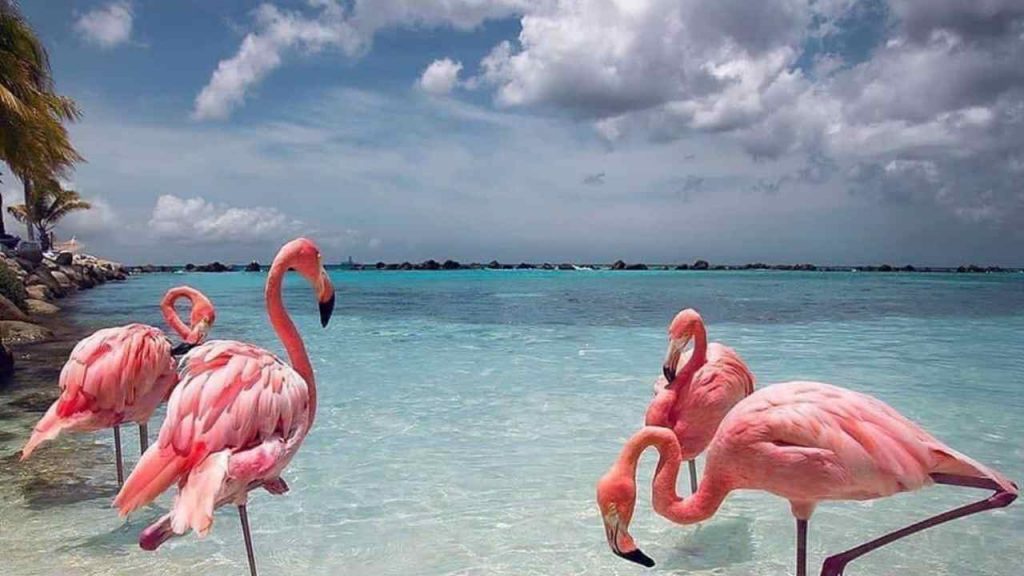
[50, 202]
[33, 140]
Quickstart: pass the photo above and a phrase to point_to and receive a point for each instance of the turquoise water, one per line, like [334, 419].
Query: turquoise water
[465, 417]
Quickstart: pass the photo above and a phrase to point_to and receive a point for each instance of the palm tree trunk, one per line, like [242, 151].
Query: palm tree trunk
[28, 204]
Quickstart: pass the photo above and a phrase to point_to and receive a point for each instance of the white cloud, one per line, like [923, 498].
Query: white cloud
[261, 52]
[329, 25]
[198, 221]
[100, 220]
[440, 77]
[106, 26]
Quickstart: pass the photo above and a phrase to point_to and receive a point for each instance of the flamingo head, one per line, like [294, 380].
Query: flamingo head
[201, 318]
[680, 332]
[616, 499]
[303, 256]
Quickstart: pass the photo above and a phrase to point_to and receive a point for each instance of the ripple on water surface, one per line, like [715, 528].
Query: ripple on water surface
[465, 417]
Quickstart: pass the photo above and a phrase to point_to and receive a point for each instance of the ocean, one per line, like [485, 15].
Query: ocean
[465, 417]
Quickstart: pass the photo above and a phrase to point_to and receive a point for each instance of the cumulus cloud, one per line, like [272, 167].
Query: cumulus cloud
[440, 77]
[198, 221]
[106, 26]
[100, 220]
[327, 24]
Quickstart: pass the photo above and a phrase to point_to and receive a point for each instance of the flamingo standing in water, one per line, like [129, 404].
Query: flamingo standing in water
[119, 375]
[805, 442]
[693, 399]
[235, 421]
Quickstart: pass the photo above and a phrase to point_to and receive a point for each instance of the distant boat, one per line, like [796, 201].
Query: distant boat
[349, 265]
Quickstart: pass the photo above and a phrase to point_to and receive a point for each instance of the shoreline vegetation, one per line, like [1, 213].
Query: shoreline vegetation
[699, 265]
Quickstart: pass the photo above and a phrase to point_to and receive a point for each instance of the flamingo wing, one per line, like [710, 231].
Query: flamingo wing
[230, 420]
[825, 442]
[114, 375]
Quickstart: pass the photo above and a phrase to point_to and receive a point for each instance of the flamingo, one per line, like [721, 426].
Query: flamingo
[698, 388]
[235, 421]
[122, 374]
[806, 442]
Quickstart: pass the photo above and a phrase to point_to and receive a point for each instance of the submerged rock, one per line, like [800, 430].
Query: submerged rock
[18, 332]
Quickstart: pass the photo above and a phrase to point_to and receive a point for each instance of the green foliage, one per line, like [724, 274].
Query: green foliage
[11, 287]
[49, 203]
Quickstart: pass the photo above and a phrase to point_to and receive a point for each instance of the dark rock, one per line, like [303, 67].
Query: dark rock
[683, 267]
[26, 265]
[451, 265]
[525, 266]
[429, 265]
[494, 265]
[6, 363]
[619, 265]
[42, 275]
[961, 269]
[975, 268]
[211, 267]
[700, 265]
[380, 265]
[547, 266]
[507, 267]
[566, 267]
[476, 266]
[392, 266]
[64, 259]
[190, 267]
[30, 251]
[406, 266]
[253, 266]
[721, 267]
[885, 268]
[636, 267]
[805, 267]
[908, 268]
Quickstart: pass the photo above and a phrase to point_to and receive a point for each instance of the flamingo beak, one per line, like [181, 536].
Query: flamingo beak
[612, 529]
[182, 348]
[675, 350]
[325, 297]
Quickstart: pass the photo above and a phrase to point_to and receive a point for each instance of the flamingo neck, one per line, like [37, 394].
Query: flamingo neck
[698, 358]
[286, 331]
[666, 501]
[171, 315]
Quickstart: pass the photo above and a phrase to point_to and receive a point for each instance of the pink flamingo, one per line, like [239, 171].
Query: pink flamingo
[805, 442]
[235, 421]
[693, 399]
[122, 374]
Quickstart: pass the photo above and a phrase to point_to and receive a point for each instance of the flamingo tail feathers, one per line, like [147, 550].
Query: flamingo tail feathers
[953, 462]
[156, 471]
[48, 427]
[193, 508]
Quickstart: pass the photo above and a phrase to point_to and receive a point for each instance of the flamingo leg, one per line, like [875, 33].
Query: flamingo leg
[143, 437]
[244, 516]
[693, 476]
[117, 454]
[801, 547]
[834, 565]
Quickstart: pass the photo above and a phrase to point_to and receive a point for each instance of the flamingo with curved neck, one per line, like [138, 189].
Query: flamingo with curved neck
[806, 442]
[121, 374]
[693, 399]
[236, 420]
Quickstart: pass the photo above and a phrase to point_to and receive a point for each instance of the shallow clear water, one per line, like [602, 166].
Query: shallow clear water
[465, 417]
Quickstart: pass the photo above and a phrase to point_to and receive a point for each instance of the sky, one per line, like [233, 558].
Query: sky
[824, 131]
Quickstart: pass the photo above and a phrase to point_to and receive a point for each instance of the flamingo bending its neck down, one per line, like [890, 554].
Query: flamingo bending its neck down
[806, 442]
[236, 420]
[693, 399]
[122, 374]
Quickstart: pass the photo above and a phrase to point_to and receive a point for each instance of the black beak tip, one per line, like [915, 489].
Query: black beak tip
[639, 557]
[669, 372]
[326, 309]
[182, 348]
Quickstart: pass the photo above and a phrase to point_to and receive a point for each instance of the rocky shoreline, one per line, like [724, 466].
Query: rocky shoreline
[434, 265]
[30, 289]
